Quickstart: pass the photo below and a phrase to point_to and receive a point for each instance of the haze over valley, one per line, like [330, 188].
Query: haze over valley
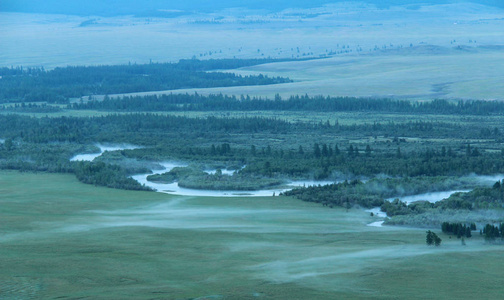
[251, 149]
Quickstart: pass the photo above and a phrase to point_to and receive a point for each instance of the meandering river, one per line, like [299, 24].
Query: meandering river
[432, 197]
[173, 188]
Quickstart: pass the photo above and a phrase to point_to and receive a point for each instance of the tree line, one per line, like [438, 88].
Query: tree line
[458, 229]
[492, 232]
[35, 142]
[62, 83]
[196, 102]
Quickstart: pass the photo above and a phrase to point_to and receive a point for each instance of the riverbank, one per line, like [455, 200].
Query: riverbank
[175, 189]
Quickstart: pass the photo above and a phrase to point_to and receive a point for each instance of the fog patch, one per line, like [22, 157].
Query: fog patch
[228, 172]
[254, 246]
[487, 179]
[223, 172]
[178, 214]
[182, 213]
[103, 148]
[430, 197]
[376, 224]
[175, 189]
[202, 218]
[303, 271]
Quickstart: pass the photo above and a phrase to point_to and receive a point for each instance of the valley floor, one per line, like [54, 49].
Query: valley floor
[64, 239]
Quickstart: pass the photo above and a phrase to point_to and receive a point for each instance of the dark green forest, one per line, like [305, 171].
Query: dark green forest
[58, 85]
[195, 102]
[318, 151]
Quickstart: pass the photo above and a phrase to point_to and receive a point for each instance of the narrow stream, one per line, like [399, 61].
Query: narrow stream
[431, 197]
[173, 188]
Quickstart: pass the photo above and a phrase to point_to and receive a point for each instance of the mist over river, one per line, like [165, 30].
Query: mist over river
[103, 148]
[173, 188]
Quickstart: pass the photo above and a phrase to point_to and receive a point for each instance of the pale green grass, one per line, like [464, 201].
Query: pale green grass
[343, 118]
[61, 238]
[66, 113]
[456, 74]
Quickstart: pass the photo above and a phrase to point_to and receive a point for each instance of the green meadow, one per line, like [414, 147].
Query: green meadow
[62, 239]
[419, 73]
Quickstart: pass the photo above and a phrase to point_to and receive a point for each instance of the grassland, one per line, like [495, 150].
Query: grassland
[343, 118]
[417, 73]
[63, 239]
[368, 49]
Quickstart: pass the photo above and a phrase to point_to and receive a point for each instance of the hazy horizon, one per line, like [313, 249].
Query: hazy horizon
[410, 51]
[153, 7]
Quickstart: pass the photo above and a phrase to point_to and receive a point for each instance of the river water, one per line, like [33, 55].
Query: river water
[431, 197]
[103, 148]
[173, 188]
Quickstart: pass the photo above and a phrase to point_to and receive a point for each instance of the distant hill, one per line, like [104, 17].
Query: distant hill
[152, 7]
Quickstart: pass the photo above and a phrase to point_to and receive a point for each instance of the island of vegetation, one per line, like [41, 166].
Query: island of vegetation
[197, 179]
